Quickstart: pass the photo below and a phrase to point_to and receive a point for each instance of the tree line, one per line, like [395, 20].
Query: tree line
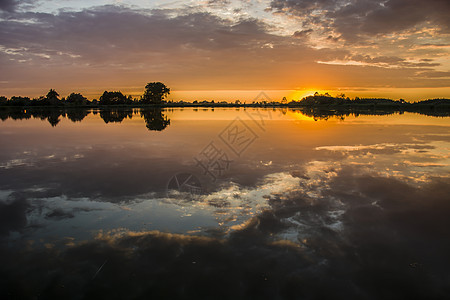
[154, 94]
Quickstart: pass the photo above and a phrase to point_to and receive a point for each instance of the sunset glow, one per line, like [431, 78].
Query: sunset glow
[228, 50]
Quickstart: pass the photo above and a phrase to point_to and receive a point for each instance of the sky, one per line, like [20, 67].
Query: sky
[227, 49]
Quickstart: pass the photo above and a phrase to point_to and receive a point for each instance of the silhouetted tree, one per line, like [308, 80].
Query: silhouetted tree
[52, 97]
[154, 119]
[111, 98]
[77, 99]
[318, 99]
[19, 101]
[155, 92]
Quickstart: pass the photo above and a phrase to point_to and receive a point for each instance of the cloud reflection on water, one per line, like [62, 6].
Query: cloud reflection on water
[334, 214]
[392, 242]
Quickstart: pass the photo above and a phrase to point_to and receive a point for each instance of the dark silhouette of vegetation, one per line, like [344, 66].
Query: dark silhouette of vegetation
[53, 98]
[114, 98]
[76, 114]
[3, 100]
[53, 118]
[115, 115]
[324, 106]
[155, 92]
[318, 107]
[14, 113]
[19, 101]
[317, 104]
[77, 99]
[52, 115]
[154, 119]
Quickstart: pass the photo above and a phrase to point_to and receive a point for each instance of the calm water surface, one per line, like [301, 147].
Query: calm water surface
[224, 203]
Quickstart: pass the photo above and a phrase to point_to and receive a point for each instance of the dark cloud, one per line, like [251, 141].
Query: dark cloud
[397, 15]
[89, 33]
[295, 6]
[59, 214]
[430, 45]
[391, 61]
[303, 33]
[367, 17]
[13, 213]
[8, 5]
[434, 74]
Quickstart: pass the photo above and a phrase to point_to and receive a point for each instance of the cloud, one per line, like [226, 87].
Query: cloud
[355, 17]
[218, 3]
[59, 214]
[367, 28]
[303, 33]
[8, 5]
[115, 45]
[137, 43]
[13, 214]
[398, 15]
[434, 74]
[384, 148]
[120, 32]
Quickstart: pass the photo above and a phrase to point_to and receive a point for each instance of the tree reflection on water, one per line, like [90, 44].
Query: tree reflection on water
[154, 118]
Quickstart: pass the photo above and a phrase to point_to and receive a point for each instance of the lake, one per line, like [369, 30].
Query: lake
[224, 203]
